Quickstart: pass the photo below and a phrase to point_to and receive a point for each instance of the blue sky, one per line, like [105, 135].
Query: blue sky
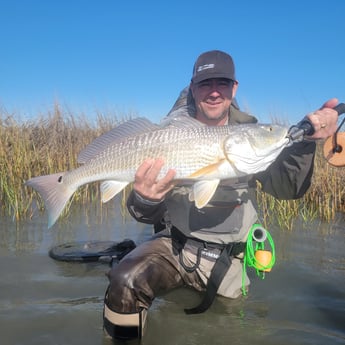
[136, 56]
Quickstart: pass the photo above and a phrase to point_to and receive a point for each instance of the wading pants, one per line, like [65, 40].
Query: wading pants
[155, 266]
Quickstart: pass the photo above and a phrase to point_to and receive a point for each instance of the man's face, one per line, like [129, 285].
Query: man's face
[212, 99]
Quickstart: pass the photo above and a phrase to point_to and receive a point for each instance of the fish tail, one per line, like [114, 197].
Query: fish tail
[54, 193]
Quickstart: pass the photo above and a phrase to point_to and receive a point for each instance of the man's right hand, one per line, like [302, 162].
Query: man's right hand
[146, 183]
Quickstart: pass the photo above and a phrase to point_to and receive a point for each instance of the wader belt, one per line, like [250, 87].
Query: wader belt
[218, 271]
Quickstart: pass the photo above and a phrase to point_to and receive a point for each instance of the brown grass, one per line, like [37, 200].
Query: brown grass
[47, 145]
[324, 199]
[51, 144]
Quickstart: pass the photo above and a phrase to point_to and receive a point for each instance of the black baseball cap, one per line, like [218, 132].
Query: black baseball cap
[213, 64]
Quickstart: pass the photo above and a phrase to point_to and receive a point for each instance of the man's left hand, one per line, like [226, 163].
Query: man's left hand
[324, 120]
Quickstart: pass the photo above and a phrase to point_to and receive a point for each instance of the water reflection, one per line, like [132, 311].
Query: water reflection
[42, 301]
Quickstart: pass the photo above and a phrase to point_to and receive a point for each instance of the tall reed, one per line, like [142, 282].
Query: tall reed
[51, 144]
[47, 145]
[324, 199]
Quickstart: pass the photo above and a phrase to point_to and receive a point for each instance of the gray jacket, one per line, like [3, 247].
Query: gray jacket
[230, 214]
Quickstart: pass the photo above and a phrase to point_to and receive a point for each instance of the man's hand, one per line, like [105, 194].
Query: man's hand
[146, 183]
[324, 120]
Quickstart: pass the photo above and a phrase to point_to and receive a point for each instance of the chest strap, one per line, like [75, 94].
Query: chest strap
[218, 271]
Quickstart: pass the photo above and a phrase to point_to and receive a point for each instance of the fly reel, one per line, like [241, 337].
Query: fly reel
[334, 148]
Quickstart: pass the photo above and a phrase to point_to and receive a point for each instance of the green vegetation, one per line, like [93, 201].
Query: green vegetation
[51, 144]
[324, 199]
[47, 145]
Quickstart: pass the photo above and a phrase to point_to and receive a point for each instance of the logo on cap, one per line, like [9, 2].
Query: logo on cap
[207, 66]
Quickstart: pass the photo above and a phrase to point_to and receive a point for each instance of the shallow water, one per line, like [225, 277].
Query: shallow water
[43, 301]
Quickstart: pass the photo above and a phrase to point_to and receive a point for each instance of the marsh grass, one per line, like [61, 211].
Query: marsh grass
[47, 145]
[51, 144]
[324, 199]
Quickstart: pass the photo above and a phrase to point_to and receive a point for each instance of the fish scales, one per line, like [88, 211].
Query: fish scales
[199, 153]
[195, 148]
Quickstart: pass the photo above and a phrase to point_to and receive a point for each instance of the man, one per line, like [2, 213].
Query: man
[202, 248]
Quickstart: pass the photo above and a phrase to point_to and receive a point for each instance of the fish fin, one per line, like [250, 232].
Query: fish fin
[54, 193]
[208, 170]
[127, 129]
[181, 121]
[110, 188]
[203, 191]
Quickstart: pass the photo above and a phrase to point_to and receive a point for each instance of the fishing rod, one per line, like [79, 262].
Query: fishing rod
[305, 127]
[333, 146]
